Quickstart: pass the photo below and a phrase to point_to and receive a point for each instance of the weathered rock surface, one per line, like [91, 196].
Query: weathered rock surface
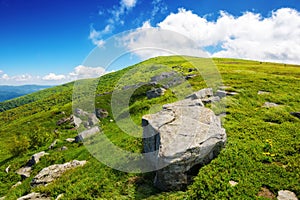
[183, 137]
[233, 183]
[168, 79]
[156, 92]
[49, 174]
[34, 196]
[201, 94]
[16, 185]
[87, 133]
[286, 195]
[7, 169]
[70, 140]
[223, 93]
[52, 145]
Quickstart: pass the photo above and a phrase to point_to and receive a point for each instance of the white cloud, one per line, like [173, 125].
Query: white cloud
[1, 72]
[5, 77]
[250, 36]
[53, 77]
[128, 3]
[81, 72]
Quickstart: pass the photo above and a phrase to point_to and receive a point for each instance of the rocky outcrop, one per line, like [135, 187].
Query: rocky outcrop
[49, 174]
[167, 79]
[86, 134]
[25, 171]
[34, 196]
[183, 136]
[72, 120]
[286, 195]
[156, 92]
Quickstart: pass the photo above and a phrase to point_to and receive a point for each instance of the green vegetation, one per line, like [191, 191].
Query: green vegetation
[263, 147]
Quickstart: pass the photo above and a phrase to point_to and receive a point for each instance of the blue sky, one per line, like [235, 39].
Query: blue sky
[47, 41]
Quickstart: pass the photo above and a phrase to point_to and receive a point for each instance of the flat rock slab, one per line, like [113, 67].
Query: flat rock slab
[34, 196]
[49, 174]
[270, 105]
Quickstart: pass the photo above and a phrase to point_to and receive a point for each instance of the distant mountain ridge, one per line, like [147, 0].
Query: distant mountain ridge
[8, 92]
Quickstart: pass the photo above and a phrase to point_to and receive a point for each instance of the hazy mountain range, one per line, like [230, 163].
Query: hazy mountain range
[9, 92]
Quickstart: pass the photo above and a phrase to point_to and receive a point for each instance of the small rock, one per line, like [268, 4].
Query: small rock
[49, 174]
[7, 169]
[221, 93]
[17, 184]
[59, 196]
[101, 113]
[233, 183]
[76, 121]
[87, 133]
[2, 198]
[201, 94]
[266, 193]
[286, 195]
[70, 140]
[156, 92]
[34, 196]
[64, 148]
[52, 144]
[262, 92]
[92, 119]
[111, 120]
[190, 76]
[296, 114]
[24, 172]
[36, 158]
[79, 112]
[269, 105]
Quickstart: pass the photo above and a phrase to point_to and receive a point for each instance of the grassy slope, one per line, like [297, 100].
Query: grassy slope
[263, 148]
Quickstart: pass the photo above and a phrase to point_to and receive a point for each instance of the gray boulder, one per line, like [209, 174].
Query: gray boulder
[24, 172]
[34, 196]
[36, 158]
[201, 94]
[156, 92]
[182, 137]
[286, 195]
[296, 114]
[87, 133]
[49, 174]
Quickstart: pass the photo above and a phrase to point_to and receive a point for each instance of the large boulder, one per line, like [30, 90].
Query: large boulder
[182, 137]
[49, 174]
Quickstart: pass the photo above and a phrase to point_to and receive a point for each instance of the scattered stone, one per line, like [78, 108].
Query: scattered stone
[87, 133]
[76, 121]
[36, 158]
[201, 94]
[92, 119]
[7, 169]
[156, 92]
[17, 184]
[233, 183]
[111, 120]
[183, 136]
[49, 174]
[101, 113]
[190, 76]
[59, 196]
[34, 196]
[221, 93]
[167, 79]
[2, 198]
[286, 195]
[24, 172]
[266, 193]
[269, 105]
[296, 114]
[70, 140]
[52, 144]
[63, 120]
[79, 112]
[262, 92]
[64, 148]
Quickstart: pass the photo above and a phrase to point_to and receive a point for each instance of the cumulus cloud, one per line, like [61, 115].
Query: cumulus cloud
[81, 72]
[128, 3]
[53, 77]
[250, 36]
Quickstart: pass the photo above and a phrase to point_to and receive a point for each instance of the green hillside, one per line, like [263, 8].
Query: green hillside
[262, 150]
